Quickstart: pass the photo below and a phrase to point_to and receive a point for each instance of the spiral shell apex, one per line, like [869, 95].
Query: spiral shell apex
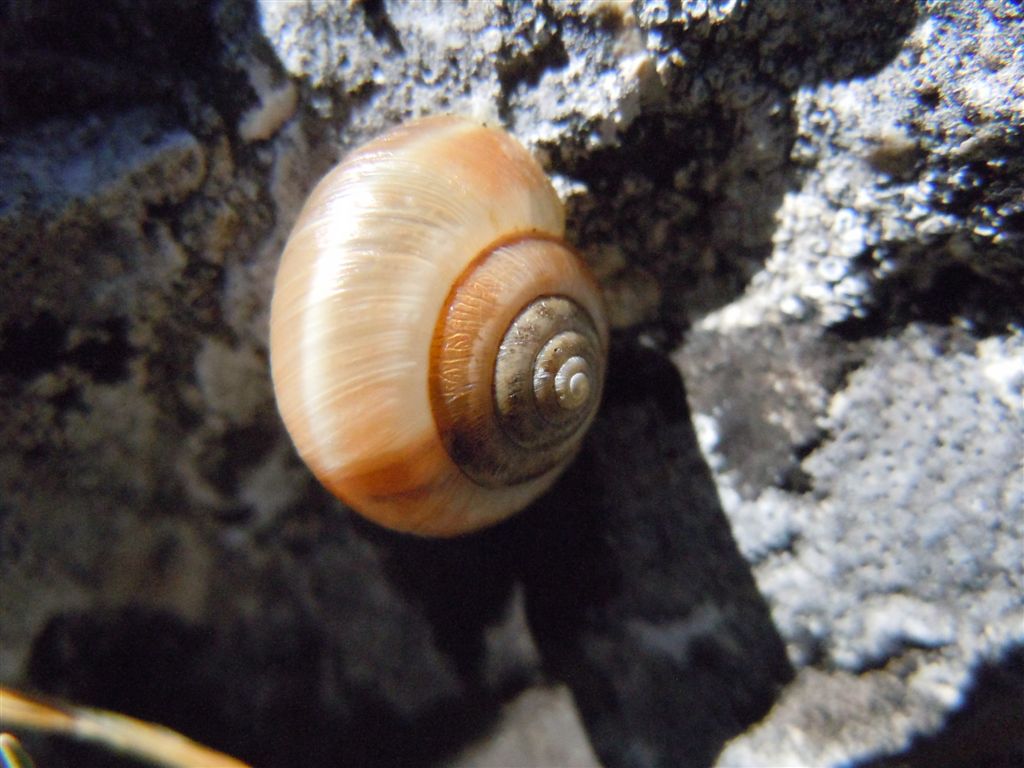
[437, 351]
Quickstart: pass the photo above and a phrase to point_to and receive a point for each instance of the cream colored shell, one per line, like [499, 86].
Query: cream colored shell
[362, 286]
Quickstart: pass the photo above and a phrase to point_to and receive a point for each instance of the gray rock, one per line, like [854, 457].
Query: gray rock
[816, 210]
[638, 596]
[540, 727]
[897, 571]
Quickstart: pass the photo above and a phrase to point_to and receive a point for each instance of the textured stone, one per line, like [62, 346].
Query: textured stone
[814, 210]
[540, 727]
[636, 591]
[890, 584]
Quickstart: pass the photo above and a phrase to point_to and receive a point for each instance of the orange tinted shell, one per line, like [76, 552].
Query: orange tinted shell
[392, 304]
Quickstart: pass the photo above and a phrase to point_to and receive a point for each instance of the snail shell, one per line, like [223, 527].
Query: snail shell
[437, 351]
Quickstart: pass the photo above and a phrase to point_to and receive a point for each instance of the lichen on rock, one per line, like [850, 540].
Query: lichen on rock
[813, 212]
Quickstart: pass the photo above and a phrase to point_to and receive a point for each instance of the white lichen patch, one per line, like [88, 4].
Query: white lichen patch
[1002, 363]
[277, 104]
[272, 486]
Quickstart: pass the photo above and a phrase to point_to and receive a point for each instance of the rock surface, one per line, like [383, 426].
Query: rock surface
[539, 727]
[811, 555]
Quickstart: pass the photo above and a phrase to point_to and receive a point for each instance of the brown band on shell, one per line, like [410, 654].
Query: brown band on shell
[512, 323]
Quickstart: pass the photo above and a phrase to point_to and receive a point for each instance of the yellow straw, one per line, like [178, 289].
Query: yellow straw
[152, 743]
[12, 755]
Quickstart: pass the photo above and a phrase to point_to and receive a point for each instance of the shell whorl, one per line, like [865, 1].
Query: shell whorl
[498, 351]
[421, 274]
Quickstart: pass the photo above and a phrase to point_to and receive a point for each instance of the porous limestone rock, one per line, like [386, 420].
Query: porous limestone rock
[812, 554]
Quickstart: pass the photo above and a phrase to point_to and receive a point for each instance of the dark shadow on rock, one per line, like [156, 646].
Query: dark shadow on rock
[59, 61]
[746, 379]
[255, 691]
[56, 61]
[636, 591]
[462, 585]
[988, 730]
